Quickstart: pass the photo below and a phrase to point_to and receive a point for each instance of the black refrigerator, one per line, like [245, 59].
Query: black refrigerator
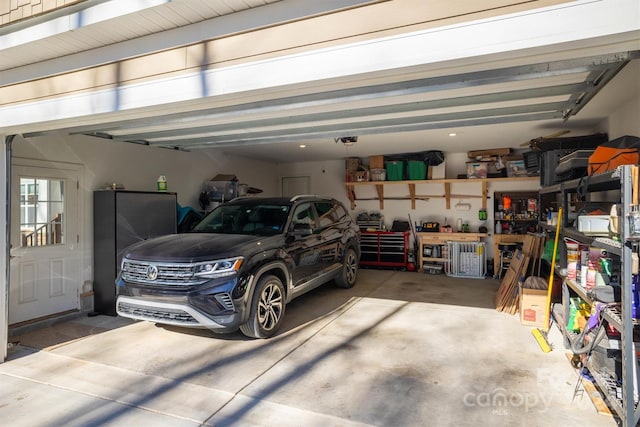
[121, 218]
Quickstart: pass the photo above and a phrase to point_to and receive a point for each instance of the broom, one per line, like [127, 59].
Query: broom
[541, 334]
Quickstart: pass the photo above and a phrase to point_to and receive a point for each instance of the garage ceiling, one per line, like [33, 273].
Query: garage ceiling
[542, 92]
[407, 110]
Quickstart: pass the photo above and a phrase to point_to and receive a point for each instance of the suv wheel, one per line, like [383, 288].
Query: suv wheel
[267, 309]
[349, 272]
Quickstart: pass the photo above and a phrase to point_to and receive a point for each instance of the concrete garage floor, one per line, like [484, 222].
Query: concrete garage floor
[399, 349]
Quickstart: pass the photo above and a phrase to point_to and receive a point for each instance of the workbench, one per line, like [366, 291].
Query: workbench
[434, 239]
[499, 239]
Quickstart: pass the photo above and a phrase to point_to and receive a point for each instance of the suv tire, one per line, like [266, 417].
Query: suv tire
[349, 269]
[267, 308]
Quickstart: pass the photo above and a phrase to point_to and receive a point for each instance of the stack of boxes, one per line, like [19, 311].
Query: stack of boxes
[355, 171]
[390, 170]
[485, 163]
[376, 166]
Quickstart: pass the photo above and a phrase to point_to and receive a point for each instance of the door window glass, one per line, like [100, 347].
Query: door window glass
[304, 215]
[327, 213]
[41, 211]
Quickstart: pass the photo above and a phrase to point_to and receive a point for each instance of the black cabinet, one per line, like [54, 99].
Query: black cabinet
[121, 218]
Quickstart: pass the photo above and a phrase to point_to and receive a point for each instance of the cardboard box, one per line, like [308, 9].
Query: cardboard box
[436, 172]
[533, 304]
[376, 162]
[494, 152]
[224, 177]
[360, 176]
[352, 164]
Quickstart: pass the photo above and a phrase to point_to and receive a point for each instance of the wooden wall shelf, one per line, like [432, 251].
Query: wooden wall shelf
[445, 183]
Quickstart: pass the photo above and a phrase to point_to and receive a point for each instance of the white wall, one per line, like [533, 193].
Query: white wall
[624, 120]
[4, 303]
[137, 167]
[327, 178]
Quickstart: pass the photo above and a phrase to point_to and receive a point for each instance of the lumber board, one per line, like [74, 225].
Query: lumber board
[508, 296]
[507, 299]
[493, 152]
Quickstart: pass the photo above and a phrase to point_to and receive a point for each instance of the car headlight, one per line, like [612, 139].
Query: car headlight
[217, 268]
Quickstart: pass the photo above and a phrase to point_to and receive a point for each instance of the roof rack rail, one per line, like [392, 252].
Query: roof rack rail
[309, 196]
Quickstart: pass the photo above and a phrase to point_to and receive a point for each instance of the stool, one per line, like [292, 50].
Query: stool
[506, 255]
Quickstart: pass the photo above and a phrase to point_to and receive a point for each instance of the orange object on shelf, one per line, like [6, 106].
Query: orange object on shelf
[506, 203]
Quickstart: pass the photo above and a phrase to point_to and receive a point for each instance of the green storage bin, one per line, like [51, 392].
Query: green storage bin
[395, 170]
[417, 169]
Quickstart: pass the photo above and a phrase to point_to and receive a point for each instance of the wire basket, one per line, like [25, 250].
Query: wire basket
[466, 259]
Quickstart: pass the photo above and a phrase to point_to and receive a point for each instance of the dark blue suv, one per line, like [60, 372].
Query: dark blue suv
[241, 265]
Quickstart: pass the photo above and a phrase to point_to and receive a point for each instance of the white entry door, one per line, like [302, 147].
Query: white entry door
[295, 185]
[46, 266]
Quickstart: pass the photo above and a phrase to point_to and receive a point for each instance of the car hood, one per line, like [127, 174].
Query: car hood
[194, 247]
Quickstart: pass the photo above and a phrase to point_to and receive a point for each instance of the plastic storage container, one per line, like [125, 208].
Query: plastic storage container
[416, 169]
[378, 174]
[594, 224]
[395, 170]
[477, 169]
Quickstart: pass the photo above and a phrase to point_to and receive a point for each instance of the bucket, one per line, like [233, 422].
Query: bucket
[573, 250]
[573, 255]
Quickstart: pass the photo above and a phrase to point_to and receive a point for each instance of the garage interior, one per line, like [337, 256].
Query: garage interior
[111, 95]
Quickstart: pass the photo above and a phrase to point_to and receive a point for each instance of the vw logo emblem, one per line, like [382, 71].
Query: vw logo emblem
[152, 272]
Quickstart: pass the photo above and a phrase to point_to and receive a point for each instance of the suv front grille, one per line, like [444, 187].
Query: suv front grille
[157, 314]
[167, 274]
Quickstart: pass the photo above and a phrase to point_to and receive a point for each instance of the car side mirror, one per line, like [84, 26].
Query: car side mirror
[302, 230]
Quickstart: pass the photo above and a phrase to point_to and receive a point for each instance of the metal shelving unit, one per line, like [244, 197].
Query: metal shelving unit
[622, 394]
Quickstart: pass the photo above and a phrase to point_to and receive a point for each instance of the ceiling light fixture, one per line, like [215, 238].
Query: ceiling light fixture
[302, 146]
[452, 134]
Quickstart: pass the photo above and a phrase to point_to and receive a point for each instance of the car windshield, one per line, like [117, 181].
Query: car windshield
[258, 219]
